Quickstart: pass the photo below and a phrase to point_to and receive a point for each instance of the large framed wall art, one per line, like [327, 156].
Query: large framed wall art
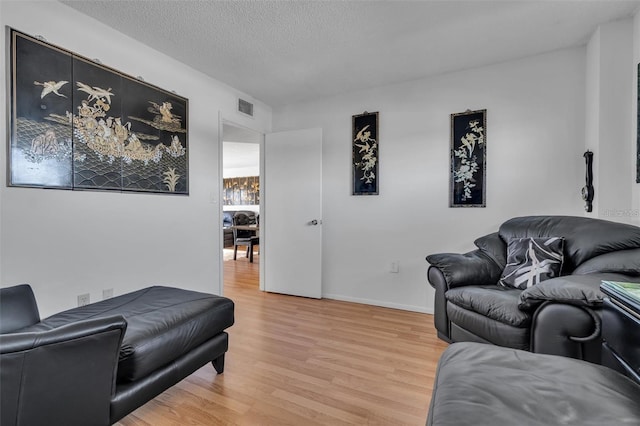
[468, 159]
[364, 140]
[241, 190]
[77, 124]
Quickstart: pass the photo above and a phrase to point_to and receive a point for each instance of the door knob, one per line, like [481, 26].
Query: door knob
[314, 222]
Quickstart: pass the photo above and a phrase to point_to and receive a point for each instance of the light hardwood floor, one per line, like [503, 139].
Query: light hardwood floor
[298, 361]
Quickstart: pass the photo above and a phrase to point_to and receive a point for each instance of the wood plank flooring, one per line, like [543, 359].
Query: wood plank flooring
[298, 361]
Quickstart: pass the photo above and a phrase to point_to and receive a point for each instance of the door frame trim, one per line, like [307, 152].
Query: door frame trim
[221, 122]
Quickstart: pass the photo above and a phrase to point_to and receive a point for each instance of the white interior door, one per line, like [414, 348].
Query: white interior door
[292, 208]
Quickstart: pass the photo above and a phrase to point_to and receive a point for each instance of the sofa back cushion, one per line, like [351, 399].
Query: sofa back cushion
[494, 247]
[584, 237]
[227, 218]
[623, 262]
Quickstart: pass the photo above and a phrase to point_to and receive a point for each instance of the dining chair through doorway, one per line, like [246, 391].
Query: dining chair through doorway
[243, 237]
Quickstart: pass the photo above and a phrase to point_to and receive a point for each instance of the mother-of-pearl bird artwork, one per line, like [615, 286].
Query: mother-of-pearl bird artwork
[77, 124]
[468, 159]
[365, 153]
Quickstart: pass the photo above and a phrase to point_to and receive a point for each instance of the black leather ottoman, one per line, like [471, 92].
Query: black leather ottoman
[479, 384]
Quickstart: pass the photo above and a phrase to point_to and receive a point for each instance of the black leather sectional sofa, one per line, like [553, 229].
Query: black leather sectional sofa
[94, 364]
[560, 315]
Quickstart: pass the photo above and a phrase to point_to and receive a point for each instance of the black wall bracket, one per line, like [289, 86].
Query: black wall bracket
[587, 190]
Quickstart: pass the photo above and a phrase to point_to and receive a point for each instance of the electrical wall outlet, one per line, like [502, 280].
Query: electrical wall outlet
[107, 293]
[84, 299]
[394, 267]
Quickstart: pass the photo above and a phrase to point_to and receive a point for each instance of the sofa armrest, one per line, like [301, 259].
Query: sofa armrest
[64, 376]
[580, 290]
[18, 308]
[473, 268]
[568, 289]
[448, 270]
[567, 330]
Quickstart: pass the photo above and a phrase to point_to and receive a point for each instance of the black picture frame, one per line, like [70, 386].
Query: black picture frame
[365, 159]
[468, 159]
[80, 125]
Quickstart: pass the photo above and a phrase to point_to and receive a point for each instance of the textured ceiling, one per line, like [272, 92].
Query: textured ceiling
[282, 52]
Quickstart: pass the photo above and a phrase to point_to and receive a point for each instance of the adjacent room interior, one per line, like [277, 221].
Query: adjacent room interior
[240, 193]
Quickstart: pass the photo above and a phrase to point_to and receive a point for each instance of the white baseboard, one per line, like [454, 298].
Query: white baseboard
[412, 308]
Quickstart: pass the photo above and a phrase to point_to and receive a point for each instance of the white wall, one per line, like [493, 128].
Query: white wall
[65, 243]
[242, 171]
[635, 189]
[535, 132]
[592, 113]
[240, 159]
[610, 120]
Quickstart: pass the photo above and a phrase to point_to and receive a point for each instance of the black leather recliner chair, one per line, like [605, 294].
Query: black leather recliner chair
[559, 316]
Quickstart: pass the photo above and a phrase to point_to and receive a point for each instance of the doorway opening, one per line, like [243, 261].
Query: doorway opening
[241, 204]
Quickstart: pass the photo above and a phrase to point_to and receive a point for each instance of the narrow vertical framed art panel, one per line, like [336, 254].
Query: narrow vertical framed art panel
[40, 150]
[364, 144]
[468, 159]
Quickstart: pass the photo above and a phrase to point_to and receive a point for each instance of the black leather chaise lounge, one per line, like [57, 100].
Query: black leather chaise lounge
[94, 364]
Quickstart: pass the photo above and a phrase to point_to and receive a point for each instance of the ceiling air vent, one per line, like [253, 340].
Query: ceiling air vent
[245, 107]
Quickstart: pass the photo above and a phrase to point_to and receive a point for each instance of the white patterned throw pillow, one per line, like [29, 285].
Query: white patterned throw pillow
[532, 260]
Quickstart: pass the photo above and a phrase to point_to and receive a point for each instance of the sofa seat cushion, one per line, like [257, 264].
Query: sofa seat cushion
[492, 301]
[469, 326]
[163, 323]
